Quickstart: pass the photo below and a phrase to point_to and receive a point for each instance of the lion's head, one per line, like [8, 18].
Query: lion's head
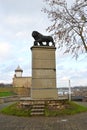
[36, 35]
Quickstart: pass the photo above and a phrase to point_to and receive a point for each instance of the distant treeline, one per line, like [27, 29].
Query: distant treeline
[5, 85]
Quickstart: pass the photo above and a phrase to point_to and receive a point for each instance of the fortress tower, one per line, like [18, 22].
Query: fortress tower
[18, 72]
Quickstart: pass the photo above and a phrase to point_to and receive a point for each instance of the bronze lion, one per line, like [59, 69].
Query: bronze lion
[39, 38]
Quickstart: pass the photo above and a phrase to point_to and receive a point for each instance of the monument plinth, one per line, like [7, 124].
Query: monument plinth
[43, 73]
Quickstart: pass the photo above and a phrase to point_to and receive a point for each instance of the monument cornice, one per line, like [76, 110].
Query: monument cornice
[43, 47]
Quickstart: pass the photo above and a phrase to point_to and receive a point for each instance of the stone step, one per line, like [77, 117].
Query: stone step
[37, 110]
[37, 103]
[37, 113]
[38, 106]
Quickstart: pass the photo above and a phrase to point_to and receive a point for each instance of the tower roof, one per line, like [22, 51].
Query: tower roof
[18, 69]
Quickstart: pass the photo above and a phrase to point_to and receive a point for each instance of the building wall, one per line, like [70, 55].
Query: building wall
[22, 82]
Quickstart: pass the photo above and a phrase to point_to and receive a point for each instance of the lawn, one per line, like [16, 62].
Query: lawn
[15, 109]
[5, 94]
[73, 108]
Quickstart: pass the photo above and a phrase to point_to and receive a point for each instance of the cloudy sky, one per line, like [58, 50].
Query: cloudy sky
[18, 18]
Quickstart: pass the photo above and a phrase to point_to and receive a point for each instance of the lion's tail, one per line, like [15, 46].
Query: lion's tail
[53, 43]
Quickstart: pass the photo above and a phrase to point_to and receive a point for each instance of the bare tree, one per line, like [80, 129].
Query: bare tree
[69, 25]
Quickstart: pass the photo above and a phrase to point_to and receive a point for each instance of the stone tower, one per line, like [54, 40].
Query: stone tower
[18, 72]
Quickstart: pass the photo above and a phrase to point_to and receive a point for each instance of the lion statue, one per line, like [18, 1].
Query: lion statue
[39, 38]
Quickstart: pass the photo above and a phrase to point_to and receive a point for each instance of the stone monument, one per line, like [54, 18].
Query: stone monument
[43, 68]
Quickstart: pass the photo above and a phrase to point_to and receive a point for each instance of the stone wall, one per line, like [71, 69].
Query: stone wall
[21, 91]
[22, 82]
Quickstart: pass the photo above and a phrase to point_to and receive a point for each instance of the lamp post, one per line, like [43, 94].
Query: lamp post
[69, 90]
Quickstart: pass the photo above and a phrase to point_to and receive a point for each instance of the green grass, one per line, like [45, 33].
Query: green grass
[15, 110]
[72, 109]
[5, 94]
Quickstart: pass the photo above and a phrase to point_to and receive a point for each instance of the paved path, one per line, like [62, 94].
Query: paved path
[75, 122]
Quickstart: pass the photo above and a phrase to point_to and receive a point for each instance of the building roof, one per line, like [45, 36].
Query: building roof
[18, 69]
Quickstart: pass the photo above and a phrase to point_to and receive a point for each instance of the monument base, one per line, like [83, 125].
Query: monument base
[45, 94]
[43, 73]
[37, 106]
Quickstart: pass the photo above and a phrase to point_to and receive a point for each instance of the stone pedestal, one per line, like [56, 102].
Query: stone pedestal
[43, 73]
